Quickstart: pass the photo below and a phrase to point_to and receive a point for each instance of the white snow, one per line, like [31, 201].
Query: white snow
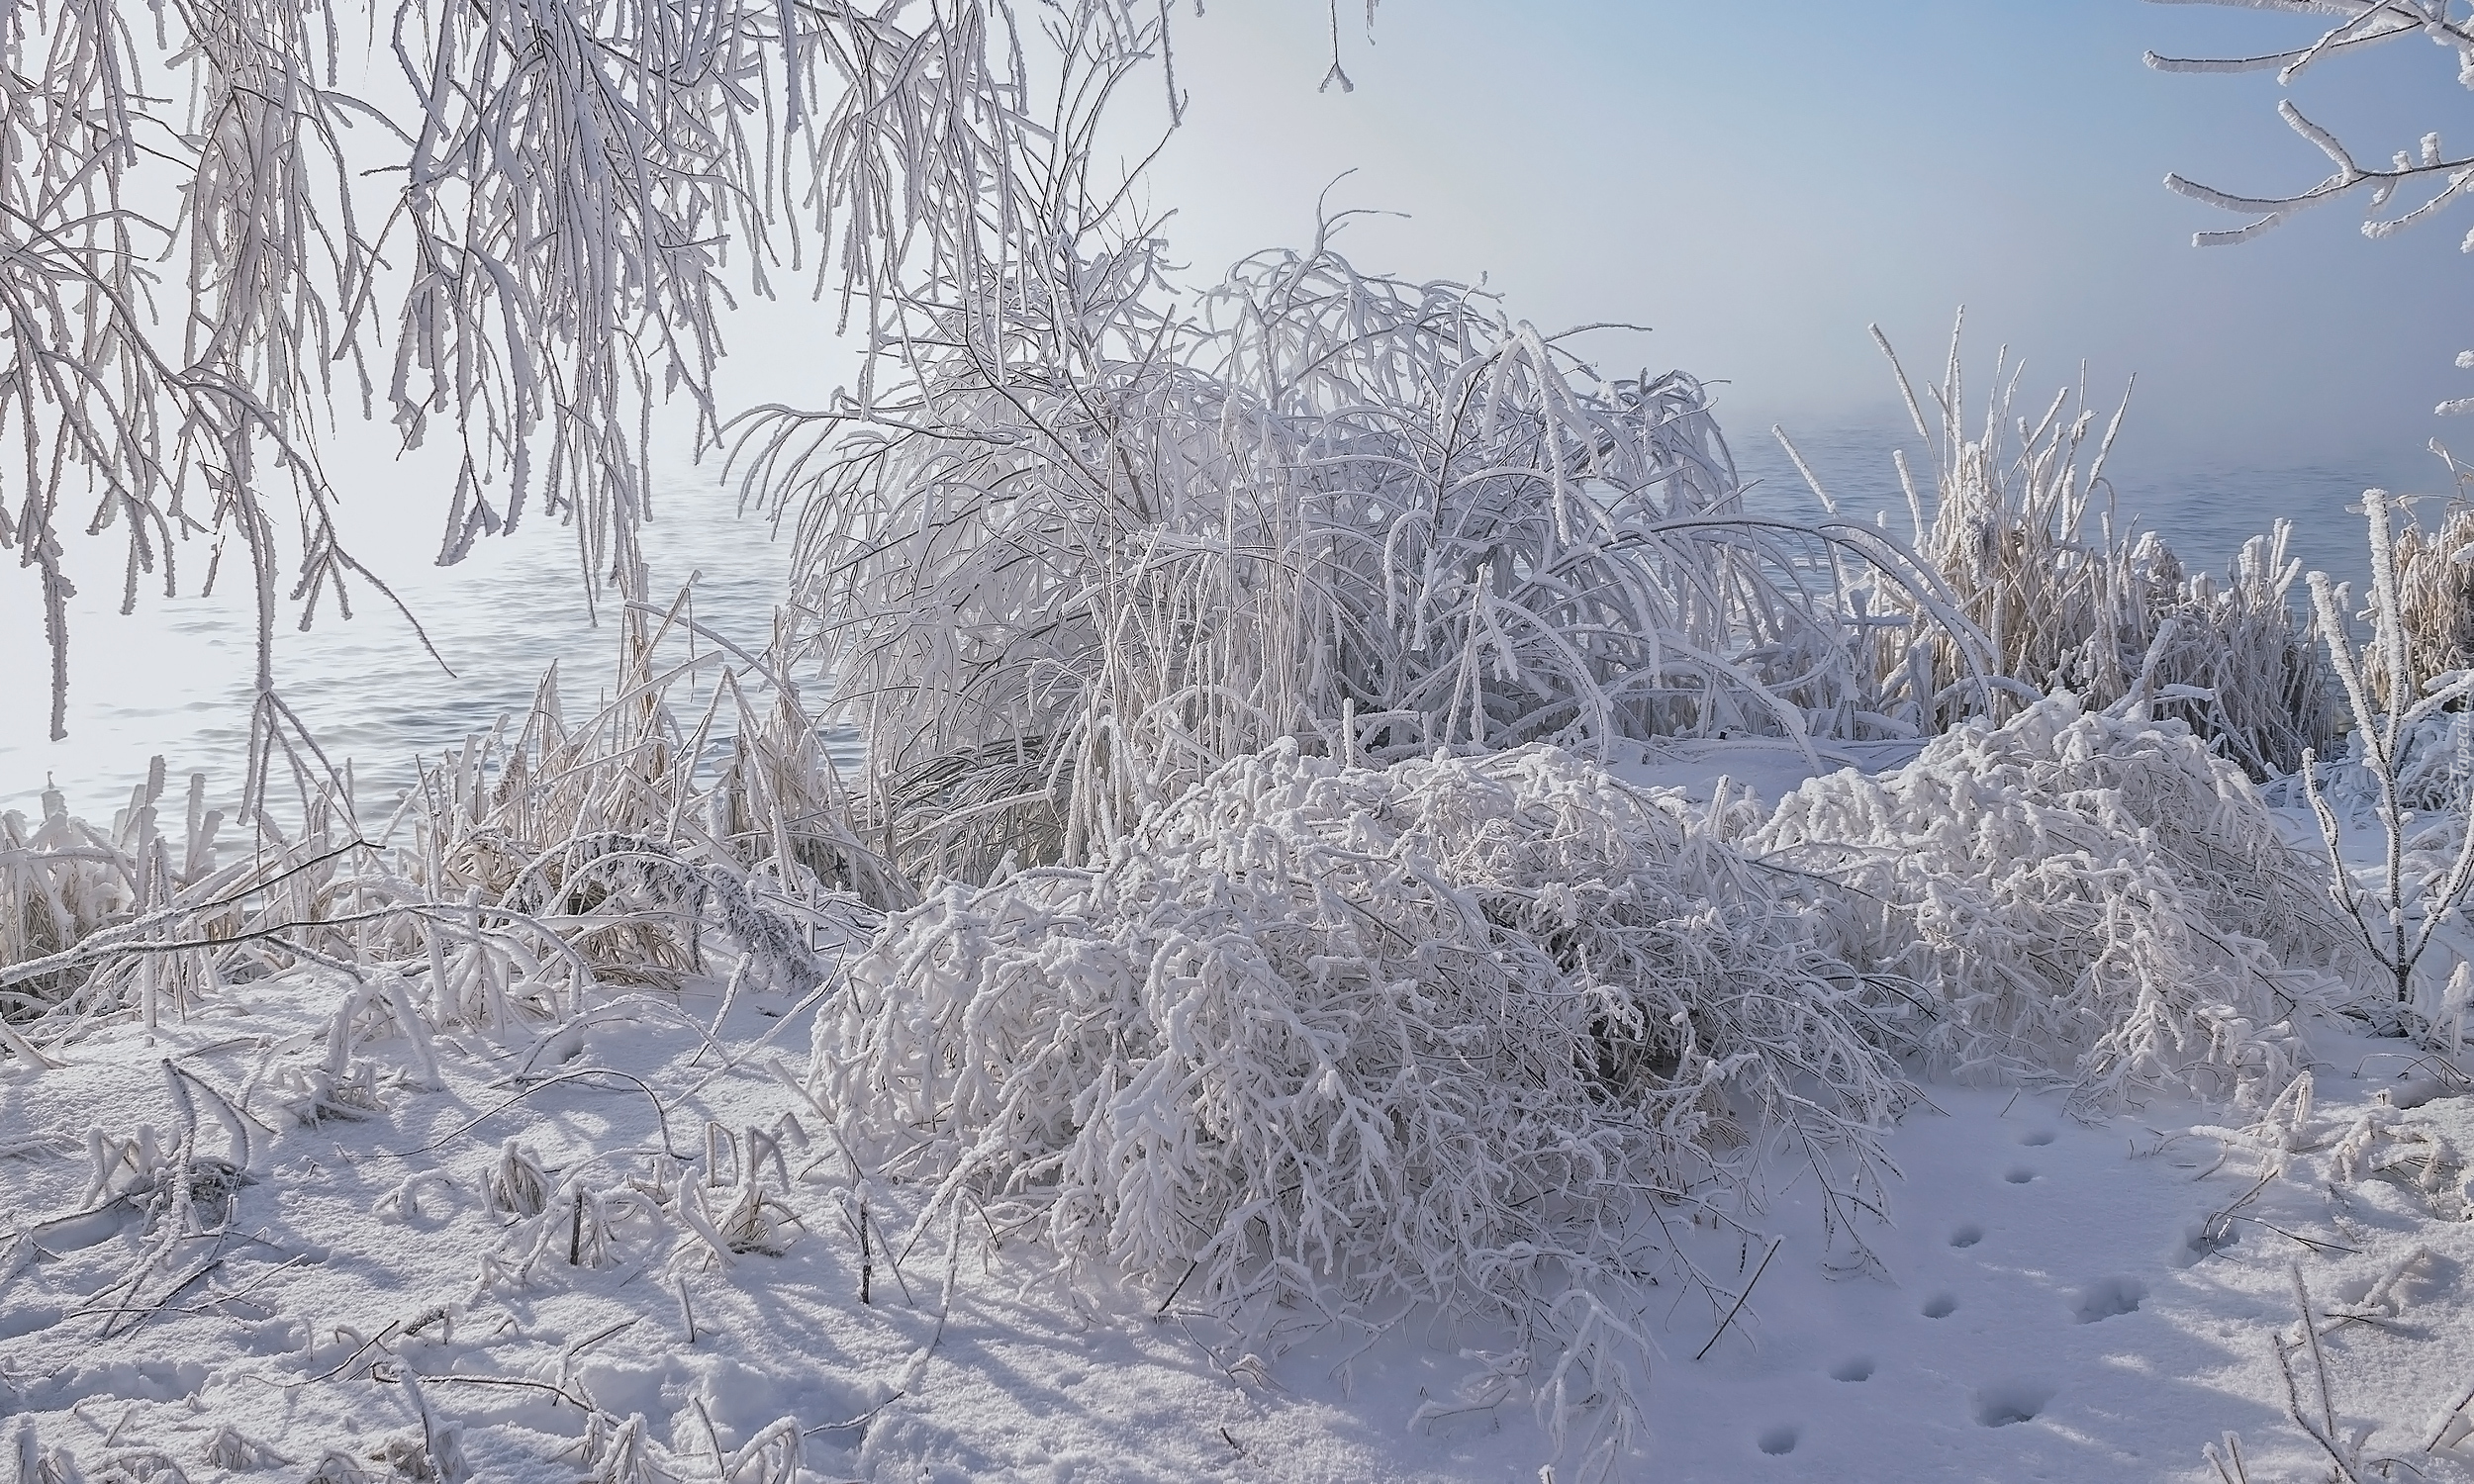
[2052, 1292]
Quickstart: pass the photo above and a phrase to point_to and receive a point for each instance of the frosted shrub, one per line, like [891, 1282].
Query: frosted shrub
[1105, 539]
[2085, 893]
[1080, 536]
[1431, 1029]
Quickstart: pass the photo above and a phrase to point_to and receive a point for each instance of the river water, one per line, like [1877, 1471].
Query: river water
[175, 678]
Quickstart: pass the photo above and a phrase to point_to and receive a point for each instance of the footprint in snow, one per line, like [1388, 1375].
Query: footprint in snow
[2019, 1175]
[2009, 1402]
[1940, 1306]
[1856, 1368]
[2107, 1299]
[2202, 1239]
[1966, 1235]
[1778, 1441]
[2037, 1138]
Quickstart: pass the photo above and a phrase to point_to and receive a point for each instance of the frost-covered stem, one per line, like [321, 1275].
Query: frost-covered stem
[2339, 885]
[2392, 826]
[2385, 716]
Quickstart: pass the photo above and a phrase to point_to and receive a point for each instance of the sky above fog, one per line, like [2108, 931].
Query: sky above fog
[1760, 181]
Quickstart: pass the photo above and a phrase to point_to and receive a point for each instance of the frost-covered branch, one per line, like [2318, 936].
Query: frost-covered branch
[544, 209]
[2430, 170]
[2400, 918]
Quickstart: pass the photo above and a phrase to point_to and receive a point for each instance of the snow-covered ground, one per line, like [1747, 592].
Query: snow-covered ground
[2052, 1293]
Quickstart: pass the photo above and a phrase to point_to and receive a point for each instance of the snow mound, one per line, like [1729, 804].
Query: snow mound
[2090, 894]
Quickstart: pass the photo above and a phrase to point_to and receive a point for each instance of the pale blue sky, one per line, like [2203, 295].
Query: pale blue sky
[1760, 180]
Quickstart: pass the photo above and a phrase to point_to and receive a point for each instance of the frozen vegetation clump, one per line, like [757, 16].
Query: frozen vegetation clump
[1330, 1033]
[525, 879]
[2066, 598]
[2086, 894]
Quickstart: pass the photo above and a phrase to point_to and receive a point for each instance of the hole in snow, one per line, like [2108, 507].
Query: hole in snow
[2037, 1138]
[2019, 1176]
[1778, 1441]
[2111, 1297]
[1968, 1235]
[1858, 1369]
[1940, 1306]
[2011, 1402]
[2203, 1239]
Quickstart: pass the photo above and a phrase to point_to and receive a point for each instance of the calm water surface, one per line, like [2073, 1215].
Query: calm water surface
[176, 678]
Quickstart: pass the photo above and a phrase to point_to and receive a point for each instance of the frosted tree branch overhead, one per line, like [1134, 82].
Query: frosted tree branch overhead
[537, 203]
[2430, 167]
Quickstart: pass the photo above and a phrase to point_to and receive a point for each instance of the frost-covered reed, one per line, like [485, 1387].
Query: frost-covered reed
[2435, 591]
[2071, 599]
[62, 879]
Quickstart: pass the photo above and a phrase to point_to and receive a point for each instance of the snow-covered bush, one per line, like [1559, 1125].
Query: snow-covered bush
[1434, 1029]
[2082, 893]
[1104, 538]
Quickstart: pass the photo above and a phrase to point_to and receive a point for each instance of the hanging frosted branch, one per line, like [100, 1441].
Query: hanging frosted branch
[548, 247]
[82, 393]
[2429, 171]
